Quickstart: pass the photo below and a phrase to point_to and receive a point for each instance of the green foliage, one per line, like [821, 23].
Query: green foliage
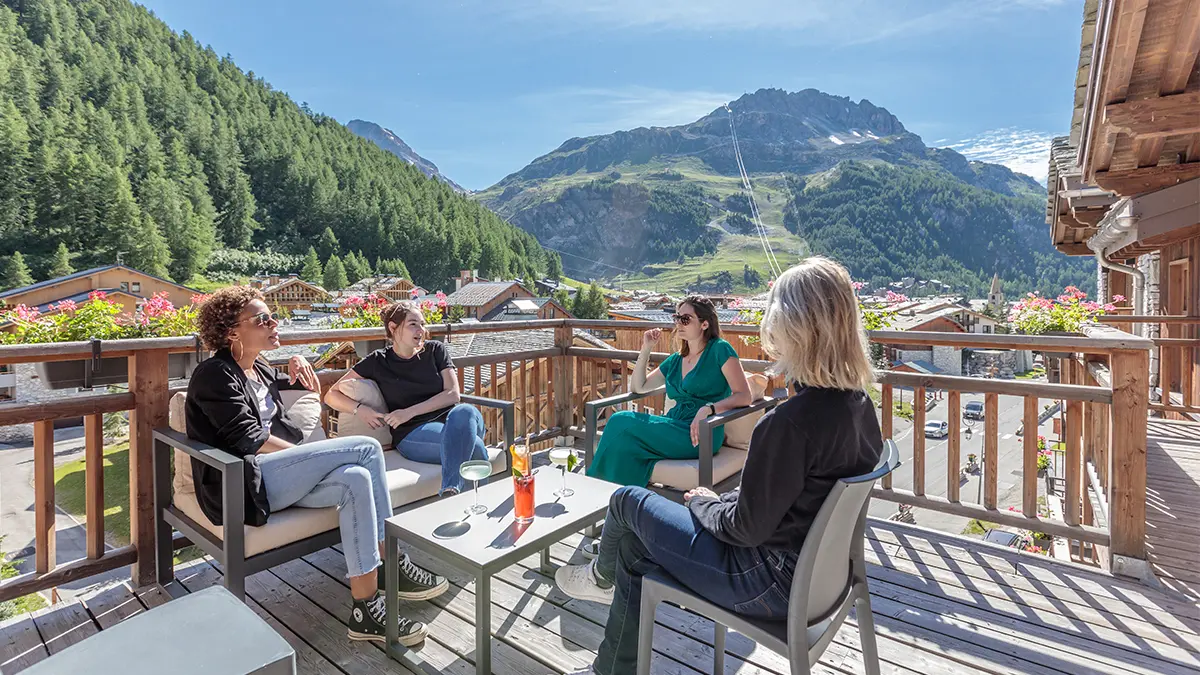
[335, 274]
[740, 224]
[590, 304]
[751, 277]
[356, 268]
[60, 264]
[738, 203]
[119, 135]
[230, 265]
[555, 270]
[1036, 315]
[311, 271]
[888, 222]
[561, 297]
[328, 245]
[16, 272]
[100, 318]
[393, 267]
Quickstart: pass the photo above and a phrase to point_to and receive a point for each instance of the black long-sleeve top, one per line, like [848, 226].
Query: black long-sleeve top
[222, 412]
[797, 453]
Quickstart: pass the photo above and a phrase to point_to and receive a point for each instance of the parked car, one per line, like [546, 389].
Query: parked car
[1003, 537]
[973, 411]
[937, 429]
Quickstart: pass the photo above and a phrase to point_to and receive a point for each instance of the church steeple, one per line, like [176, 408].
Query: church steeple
[996, 295]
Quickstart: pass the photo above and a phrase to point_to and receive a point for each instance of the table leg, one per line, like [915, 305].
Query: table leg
[483, 624]
[391, 578]
[547, 566]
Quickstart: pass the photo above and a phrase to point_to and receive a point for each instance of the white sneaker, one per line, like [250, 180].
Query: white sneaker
[583, 671]
[579, 582]
[591, 550]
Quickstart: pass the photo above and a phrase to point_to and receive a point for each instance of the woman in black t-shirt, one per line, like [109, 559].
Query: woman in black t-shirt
[420, 387]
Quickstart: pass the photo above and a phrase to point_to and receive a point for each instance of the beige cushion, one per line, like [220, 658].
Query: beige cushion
[684, 474]
[303, 409]
[408, 482]
[367, 393]
[737, 432]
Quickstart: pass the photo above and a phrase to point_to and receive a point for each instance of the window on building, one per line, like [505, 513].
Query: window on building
[125, 286]
[987, 329]
[137, 287]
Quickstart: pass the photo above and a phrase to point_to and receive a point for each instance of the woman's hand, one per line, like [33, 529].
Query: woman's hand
[699, 492]
[650, 337]
[397, 417]
[371, 416]
[300, 369]
[701, 414]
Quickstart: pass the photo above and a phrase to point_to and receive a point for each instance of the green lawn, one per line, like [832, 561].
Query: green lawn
[903, 409]
[70, 491]
[980, 527]
[204, 285]
[1029, 375]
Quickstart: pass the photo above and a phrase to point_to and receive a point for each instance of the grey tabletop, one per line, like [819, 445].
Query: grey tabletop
[494, 540]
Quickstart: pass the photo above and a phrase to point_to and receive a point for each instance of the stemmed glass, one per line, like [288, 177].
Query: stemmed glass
[475, 471]
[561, 457]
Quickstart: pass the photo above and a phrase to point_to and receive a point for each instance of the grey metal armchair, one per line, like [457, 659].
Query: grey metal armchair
[230, 549]
[592, 414]
[830, 578]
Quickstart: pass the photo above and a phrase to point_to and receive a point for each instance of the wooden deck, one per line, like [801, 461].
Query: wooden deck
[1173, 503]
[944, 605]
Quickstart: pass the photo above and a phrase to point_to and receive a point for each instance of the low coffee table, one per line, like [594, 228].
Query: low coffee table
[489, 542]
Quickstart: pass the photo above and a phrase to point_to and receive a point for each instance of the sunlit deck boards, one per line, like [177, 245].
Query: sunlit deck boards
[1173, 503]
[944, 605]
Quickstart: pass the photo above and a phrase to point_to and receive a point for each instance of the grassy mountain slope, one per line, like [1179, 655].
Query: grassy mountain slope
[783, 136]
[119, 135]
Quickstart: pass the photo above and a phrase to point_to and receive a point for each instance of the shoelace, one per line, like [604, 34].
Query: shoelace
[378, 611]
[415, 573]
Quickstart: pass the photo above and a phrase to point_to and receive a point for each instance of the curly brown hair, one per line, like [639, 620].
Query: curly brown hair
[219, 314]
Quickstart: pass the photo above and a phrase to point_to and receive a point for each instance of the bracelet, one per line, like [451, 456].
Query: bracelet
[356, 407]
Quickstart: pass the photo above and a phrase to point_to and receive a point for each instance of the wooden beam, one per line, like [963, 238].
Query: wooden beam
[1029, 439]
[1088, 217]
[1130, 182]
[83, 568]
[953, 448]
[1127, 481]
[74, 406]
[991, 449]
[148, 382]
[1120, 45]
[1074, 249]
[93, 435]
[1158, 117]
[44, 537]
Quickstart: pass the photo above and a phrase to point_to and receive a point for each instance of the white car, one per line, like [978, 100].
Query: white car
[937, 429]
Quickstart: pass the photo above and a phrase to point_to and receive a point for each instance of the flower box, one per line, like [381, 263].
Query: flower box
[111, 370]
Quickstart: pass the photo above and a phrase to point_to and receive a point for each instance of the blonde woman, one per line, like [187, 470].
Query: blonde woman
[739, 549]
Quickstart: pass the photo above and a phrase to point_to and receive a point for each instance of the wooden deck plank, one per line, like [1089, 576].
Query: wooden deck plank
[20, 644]
[308, 660]
[112, 605]
[63, 625]
[1173, 503]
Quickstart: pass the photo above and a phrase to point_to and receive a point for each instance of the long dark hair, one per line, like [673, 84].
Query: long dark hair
[397, 313]
[705, 311]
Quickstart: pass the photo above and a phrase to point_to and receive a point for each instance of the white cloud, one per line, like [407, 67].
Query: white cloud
[588, 111]
[1022, 150]
[815, 21]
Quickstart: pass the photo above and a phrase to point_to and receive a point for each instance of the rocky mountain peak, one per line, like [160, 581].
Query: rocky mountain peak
[388, 140]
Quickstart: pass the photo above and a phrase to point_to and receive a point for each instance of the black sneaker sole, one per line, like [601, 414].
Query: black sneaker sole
[410, 640]
[427, 594]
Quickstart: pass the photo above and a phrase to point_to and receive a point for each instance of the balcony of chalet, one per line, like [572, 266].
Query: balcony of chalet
[1119, 597]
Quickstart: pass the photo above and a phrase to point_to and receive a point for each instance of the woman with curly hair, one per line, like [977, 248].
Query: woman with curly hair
[420, 388]
[233, 403]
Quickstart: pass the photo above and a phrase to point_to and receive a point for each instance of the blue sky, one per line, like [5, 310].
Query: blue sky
[481, 87]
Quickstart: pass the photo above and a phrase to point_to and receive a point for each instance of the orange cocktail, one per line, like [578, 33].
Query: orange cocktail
[522, 484]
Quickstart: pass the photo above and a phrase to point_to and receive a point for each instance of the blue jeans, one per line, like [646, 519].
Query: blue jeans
[346, 472]
[449, 443]
[645, 532]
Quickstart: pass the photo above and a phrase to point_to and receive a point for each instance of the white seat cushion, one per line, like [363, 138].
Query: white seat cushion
[367, 393]
[408, 482]
[684, 474]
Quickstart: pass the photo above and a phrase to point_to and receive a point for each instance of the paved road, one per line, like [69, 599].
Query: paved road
[1011, 409]
[16, 510]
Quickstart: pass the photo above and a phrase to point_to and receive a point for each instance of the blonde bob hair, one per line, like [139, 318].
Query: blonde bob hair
[812, 328]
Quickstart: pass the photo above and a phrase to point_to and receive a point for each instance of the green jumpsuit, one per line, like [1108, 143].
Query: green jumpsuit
[633, 442]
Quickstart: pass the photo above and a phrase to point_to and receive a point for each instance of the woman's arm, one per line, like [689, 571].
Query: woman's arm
[274, 444]
[739, 398]
[338, 400]
[449, 396]
[642, 382]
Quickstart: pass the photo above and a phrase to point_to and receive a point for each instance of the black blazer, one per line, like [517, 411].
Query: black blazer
[222, 412]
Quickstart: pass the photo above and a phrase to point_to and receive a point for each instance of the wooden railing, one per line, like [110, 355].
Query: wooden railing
[1177, 393]
[1106, 427]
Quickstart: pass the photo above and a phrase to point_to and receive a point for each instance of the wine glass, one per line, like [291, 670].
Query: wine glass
[475, 471]
[561, 457]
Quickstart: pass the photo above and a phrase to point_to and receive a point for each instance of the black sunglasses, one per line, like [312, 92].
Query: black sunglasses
[682, 319]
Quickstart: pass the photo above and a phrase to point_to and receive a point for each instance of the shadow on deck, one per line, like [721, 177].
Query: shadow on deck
[1173, 504]
[943, 604]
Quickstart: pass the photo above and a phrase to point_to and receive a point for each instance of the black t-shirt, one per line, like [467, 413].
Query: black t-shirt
[407, 382]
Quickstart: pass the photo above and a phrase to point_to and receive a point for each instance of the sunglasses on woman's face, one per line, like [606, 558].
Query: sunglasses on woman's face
[261, 319]
[682, 319]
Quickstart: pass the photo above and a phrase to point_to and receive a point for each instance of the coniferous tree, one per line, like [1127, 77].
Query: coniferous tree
[60, 264]
[328, 245]
[312, 271]
[355, 268]
[16, 273]
[335, 274]
[555, 270]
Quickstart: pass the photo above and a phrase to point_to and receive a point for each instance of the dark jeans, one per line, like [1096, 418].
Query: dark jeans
[645, 532]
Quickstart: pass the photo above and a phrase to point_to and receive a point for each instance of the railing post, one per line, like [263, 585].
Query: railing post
[1127, 472]
[564, 378]
[45, 547]
[148, 382]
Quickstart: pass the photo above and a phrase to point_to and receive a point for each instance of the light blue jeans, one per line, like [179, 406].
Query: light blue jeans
[346, 472]
[449, 443]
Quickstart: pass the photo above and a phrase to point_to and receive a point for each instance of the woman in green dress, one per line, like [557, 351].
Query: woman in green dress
[703, 378]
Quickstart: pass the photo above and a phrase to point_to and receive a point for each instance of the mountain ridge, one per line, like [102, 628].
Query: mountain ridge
[388, 140]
